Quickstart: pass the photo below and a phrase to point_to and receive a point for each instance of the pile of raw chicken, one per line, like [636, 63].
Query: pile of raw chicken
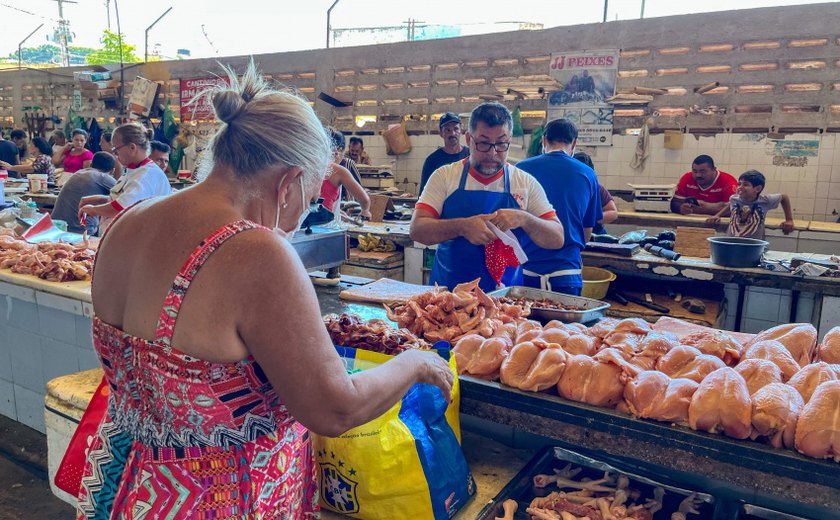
[54, 262]
[441, 315]
[350, 330]
[780, 387]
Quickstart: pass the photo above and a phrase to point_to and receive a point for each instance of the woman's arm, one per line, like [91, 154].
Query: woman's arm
[280, 323]
[357, 191]
[58, 157]
[20, 168]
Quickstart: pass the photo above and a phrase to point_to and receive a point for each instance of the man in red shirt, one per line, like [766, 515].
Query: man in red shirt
[704, 190]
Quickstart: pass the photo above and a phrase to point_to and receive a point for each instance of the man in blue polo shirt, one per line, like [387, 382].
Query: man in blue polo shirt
[572, 188]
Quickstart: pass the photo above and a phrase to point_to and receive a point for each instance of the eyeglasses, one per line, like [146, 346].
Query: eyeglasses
[115, 149]
[501, 146]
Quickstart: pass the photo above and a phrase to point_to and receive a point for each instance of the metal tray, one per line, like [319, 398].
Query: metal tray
[522, 489]
[594, 309]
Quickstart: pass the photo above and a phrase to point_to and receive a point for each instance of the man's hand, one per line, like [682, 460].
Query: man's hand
[475, 229]
[787, 227]
[506, 219]
[5, 166]
[713, 221]
[686, 208]
[366, 214]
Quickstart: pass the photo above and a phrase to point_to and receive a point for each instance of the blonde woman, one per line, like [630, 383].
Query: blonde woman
[214, 391]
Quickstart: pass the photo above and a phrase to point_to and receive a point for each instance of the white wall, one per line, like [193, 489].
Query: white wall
[814, 189]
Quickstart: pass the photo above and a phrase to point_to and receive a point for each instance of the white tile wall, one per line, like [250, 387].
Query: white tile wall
[807, 186]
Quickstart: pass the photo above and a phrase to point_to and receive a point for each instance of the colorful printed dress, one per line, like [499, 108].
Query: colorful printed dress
[186, 438]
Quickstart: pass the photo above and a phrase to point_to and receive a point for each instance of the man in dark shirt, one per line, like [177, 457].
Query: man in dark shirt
[452, 151]
[19, 138]
[8, 152]
[96, 180]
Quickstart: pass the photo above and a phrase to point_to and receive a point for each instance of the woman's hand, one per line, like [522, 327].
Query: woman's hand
[4, 165]
[434, 370]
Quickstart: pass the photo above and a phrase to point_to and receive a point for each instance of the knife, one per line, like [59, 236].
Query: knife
[640, 301]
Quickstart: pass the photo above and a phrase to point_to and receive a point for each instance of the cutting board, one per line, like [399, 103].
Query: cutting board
[677, 311]
[627, 250]
[383, 291]
[691, 241]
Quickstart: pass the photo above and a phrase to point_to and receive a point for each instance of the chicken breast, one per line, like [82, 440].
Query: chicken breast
[775, 412]
[488, 359]
[589, 381]
[774, 351]
[716, 343]
[818, 428]
[603, 328]
[545, 371]
[722, 404]
[581, 344]
[800, 339]
[810, 377]
[518, 363]
[758, 373]
[465, 349]
[653, 395]
[633, 325]
[557, 336]
[829, 349]
[689, 363]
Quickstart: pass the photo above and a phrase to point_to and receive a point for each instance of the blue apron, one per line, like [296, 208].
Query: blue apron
[458, 261]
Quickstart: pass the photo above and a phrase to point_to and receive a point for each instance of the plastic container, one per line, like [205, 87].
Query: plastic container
[60, 224]
[37, 182]
[737, 251]
[596, 282]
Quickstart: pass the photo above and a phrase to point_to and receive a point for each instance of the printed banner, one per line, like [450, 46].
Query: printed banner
[201, 109]
[588, 79]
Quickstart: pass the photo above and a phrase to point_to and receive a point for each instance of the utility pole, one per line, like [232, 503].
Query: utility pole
[63, 31]
[606, 6]
[149, 28]
[108, 11]
[20, 46]
[642, 15]
[329, 28]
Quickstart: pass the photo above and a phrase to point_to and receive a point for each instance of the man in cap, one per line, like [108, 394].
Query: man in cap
[452, 151]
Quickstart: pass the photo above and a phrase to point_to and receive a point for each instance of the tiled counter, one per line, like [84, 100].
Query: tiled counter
[45, 332]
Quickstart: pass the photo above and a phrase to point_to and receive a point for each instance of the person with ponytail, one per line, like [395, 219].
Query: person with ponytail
[211, 337]
[142, 178]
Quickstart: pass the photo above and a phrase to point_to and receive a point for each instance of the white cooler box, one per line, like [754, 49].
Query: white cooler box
[653, 197]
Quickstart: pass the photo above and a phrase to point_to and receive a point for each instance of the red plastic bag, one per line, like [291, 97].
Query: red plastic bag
[68, 477]
[498, 256]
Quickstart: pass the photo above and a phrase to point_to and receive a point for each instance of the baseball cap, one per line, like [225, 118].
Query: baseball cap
[449, 117]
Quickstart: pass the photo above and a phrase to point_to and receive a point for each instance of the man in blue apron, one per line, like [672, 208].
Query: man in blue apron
[572, 188]
[461, 198]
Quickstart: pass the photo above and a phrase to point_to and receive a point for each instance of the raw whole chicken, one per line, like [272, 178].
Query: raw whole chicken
[624, 341]
[777, 353]
[653, 395]
[829, 349]
[480, 357]
[810, 377]
[758, 373]
[620, 359]
[581, 344]
[722, 404]
[603, 328]
[775, 412]
[689, 363]
[531, 368]
[818, 429]
[527, 330]
[799, 338]
[554, 335]
[589, 381]
[715, 343]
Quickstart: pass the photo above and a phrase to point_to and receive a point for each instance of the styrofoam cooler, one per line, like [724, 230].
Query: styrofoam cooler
[65, 403]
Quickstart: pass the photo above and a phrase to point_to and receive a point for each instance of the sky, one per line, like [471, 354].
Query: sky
[211, 28]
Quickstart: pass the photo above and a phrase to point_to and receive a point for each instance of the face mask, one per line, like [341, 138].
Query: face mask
[302, 218]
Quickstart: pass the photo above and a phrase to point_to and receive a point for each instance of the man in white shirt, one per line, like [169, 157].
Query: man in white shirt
[461, 198]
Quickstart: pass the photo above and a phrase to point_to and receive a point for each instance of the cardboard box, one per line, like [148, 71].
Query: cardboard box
[106, 93]
[98, 85]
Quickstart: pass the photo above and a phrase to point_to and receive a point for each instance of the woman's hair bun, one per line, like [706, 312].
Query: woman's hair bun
[228, 104]
[150, 134]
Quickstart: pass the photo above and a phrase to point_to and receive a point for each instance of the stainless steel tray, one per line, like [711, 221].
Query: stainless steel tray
[593, 309]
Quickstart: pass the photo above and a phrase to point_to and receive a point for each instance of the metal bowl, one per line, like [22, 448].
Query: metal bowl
[737, 251]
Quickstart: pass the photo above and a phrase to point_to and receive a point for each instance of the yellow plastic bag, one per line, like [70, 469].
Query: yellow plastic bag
[406, 464]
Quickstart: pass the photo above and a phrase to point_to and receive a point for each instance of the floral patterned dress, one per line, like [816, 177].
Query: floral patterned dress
[186, 438]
